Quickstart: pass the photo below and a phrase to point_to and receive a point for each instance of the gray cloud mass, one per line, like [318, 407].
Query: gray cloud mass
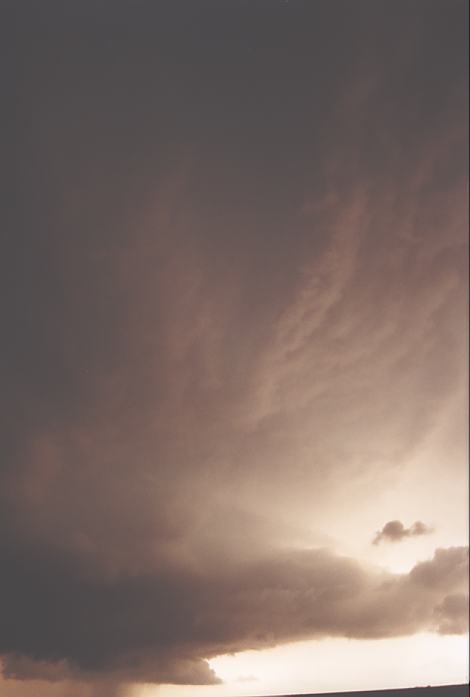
[234, 271]
[158, 626]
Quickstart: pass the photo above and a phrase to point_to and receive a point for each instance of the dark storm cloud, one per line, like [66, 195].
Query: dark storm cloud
[159, 627]
[235, 270]
[395, 531]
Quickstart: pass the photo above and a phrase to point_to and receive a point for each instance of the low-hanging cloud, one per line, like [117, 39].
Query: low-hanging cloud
[161, 627]
[395, 531]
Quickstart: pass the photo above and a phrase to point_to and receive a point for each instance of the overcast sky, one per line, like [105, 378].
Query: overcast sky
[234, 357]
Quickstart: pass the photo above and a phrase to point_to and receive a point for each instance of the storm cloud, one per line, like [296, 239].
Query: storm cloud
[159, 627]
[235, 244]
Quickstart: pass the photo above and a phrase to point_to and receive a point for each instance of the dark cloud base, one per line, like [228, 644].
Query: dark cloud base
[56, 624]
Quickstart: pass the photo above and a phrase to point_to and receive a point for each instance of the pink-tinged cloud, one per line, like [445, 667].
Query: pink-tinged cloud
[236, 285]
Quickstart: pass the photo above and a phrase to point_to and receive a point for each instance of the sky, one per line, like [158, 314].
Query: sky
[234, 377]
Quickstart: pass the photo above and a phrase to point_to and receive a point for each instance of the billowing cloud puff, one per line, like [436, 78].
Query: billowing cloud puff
[452, 614]
[395, 531]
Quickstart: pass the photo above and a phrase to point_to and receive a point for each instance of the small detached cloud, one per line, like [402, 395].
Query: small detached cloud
[395, 531]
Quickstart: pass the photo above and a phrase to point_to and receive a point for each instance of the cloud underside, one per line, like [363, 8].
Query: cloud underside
[161, 628]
